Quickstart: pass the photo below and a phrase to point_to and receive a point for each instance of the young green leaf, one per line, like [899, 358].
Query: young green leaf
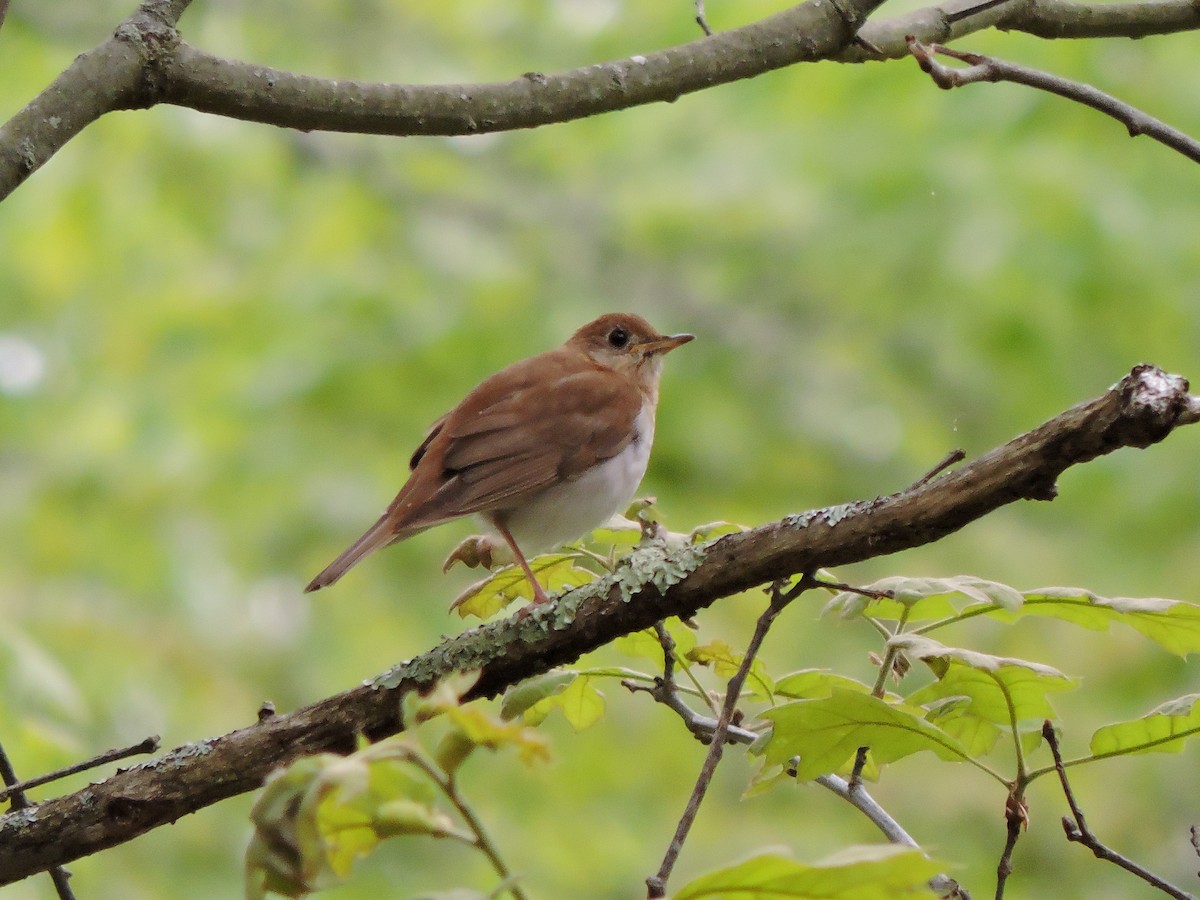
[554, 571]
[1162, 730]
[1173, 624]
[885, 872]
[712, 530]
[808, 684]
[579, 701]
[616, 532]
[826, 733]
[1001, 690]
[484, 730]
[532, 691]
[925, 598]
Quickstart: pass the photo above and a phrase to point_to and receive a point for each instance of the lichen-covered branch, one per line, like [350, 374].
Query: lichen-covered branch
[655, 583]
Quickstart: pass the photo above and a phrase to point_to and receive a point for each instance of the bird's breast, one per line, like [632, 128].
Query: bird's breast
[566, 511]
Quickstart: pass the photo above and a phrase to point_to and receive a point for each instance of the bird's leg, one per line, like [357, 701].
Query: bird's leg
[539, 595]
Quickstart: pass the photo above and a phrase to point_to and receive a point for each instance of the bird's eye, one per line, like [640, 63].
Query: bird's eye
[618, 337]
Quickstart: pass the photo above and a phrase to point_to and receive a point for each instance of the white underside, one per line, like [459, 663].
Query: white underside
[566, 512]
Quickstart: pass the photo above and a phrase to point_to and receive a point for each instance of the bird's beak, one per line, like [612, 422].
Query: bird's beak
[665, 343]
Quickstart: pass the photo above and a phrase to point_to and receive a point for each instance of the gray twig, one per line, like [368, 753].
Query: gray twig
[149, 745]
[18, 800]
[986, 68]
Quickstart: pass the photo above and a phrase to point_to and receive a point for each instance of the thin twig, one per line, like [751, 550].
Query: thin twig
[149, 745]
[657, 884]
[481, 839]
[3, 11]
[851, 589]
[703, 727]
[860, 760]
[986, 68]
[954, 456]
[665, 691]
[18, 800]
[1079, 833]
[702, 19]
[1016, 817]
[943, 885]
[957, 15]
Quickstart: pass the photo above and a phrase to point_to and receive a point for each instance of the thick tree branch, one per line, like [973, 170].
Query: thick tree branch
[117, 74]
[1142, 409]
[949, 21]
[145, 63]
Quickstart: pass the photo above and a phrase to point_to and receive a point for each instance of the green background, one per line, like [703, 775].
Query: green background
[220, 341]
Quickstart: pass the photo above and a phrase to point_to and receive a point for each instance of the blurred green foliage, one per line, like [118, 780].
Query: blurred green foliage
[219, 343]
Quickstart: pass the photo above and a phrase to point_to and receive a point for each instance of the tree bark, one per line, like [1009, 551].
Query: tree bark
[654, 583]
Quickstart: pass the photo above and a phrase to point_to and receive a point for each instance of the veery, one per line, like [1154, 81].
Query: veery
[543, 451]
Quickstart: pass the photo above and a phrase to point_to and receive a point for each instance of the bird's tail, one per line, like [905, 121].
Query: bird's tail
[378, 535]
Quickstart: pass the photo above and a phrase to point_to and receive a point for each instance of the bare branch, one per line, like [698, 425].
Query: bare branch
[149, 745]
[956, 19]
[1142, 409]
[986, 68]
[146, 63]
[1079, 832]
[1064, 19]
[1016, 819]
[60, 876]
[657, 884]
[804, 33]
[952, 458]
[117, 74]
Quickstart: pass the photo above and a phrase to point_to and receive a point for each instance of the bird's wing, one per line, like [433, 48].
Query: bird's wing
[486, 454]
[493, 456]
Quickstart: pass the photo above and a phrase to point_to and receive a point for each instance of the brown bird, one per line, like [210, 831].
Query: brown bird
[544, 451]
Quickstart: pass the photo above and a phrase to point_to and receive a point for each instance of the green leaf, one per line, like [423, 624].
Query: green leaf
[554, 572]
[1173, 624]
[401, 816]
[808, 684]
[827, 732]
[1162, 730]
[725, 661]
[882, 872]
[711, 530]
[1001, 690]
[955, 717]
[617, 532]
[579, 701]
[531, 691]
[484, 730]
[925, 598]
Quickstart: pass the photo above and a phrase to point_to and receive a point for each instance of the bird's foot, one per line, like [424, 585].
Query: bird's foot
[480, 550]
